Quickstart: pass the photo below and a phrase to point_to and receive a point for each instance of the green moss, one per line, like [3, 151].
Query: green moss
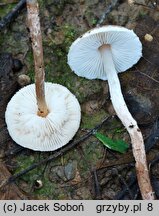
[91, 121]
[4, 10]
[41, 4]
[70, 35]
[142, 14]
[62, 71]
[56, 68]
[30, 61]
[24, 161]
[94, 21]
[49, 188]
[114, 129]
[93, 151]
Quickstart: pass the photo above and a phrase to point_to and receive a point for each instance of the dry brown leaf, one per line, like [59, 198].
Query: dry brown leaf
[9, 191]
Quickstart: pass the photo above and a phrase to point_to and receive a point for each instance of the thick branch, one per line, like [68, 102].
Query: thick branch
[35, 33]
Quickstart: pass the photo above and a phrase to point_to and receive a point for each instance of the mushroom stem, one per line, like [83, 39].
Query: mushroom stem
[129, 122]
[36, 38]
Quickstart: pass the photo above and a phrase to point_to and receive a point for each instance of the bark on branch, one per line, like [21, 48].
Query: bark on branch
[36, 38]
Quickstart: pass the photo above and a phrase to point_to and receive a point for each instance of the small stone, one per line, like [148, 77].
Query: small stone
[49, 31]
[131, 2]
[38, 184]
[70, 170]
[61, 173]
[23, 80]
[148, 37]
[77, 179]
[57, 174]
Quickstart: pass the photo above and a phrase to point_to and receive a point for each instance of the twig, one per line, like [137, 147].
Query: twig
[127, 159]
[96, 185]
[13, 151]
[157, 81]
[56, 154]
[134, 189]
[132, 184]
[124, 182]
[10, 191]
[12, 14]
[106, 12]
[133, 2]
[148, 76]
[146, 6]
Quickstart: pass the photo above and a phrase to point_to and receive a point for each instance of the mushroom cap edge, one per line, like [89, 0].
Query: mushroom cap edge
[84, 57]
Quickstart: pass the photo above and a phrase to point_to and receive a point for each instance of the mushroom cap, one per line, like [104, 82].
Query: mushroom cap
[84, 56]
[38, 133]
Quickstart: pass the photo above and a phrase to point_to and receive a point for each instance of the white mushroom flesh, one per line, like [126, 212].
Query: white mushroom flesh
[118, 101]
[115, 88]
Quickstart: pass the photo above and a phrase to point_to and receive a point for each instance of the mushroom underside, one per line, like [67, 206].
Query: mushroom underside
[43, 133]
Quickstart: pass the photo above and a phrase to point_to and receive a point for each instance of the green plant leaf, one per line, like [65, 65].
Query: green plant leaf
[116, 145]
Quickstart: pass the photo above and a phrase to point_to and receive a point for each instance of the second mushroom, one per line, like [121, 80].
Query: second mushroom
[101, 53]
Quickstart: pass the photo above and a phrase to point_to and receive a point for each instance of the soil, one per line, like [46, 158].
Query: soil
[90, 170]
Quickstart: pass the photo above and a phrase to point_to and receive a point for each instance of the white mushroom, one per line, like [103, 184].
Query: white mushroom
[102, 53]
[42, 116]
[43, 133]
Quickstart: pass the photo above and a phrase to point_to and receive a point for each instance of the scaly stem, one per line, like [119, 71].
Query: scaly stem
[129, 122]
[36, 38]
